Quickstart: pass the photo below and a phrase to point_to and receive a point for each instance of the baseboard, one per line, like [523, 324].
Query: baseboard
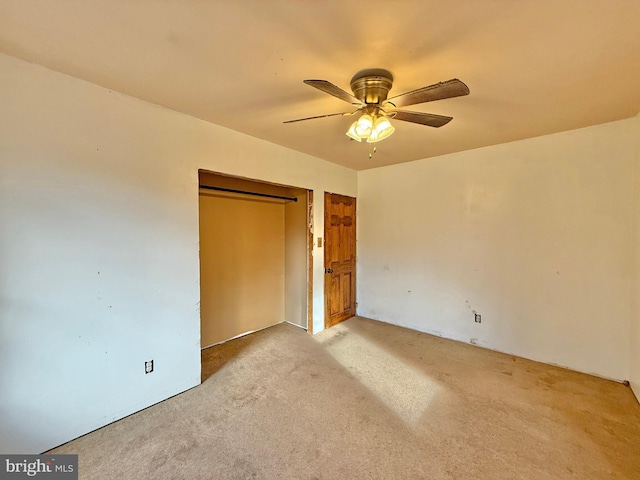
[296, 325]
[486, 346]
[241, 335]
[71, 436]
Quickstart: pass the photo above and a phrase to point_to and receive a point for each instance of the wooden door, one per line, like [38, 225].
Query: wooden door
[339, 258]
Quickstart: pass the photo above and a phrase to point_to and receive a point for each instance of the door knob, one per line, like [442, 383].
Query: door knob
[329, 270]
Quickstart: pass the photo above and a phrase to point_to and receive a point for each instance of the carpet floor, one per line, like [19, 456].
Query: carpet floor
[368, 400]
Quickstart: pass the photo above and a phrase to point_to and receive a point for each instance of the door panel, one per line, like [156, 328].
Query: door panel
[334, 295]
[340, 258]
[345, 289]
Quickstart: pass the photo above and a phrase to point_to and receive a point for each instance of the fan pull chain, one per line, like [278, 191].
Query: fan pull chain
[371, 152]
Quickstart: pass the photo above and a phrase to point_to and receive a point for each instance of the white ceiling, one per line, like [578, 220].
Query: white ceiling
[534, 67]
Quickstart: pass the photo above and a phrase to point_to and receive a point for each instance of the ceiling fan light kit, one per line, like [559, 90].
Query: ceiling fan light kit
[382, 129]
[352, 132]
[372, 128]
[364, 125]
[370, 91]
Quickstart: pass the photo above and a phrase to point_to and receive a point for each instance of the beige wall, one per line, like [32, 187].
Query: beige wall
[241, 265]
[99, 267]
[534, 235]
[296, 260]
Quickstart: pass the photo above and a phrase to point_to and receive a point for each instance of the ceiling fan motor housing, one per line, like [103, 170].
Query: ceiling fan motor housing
[371, 86]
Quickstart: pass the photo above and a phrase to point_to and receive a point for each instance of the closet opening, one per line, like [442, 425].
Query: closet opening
[255, 256]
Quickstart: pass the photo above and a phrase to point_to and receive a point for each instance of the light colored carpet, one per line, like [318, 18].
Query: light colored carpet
[367, 400]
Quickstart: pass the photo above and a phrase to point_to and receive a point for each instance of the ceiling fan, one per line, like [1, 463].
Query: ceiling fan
[370, 91]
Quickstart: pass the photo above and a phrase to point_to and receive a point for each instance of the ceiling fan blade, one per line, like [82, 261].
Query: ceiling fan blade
[331, 89]
[428, 119]
[438, 91]
[319, 116]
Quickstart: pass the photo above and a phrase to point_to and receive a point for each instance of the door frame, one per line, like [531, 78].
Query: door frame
[310, 262]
